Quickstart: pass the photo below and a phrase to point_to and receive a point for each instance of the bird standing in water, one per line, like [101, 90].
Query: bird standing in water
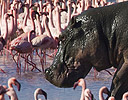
[41, 92]
[85, 93]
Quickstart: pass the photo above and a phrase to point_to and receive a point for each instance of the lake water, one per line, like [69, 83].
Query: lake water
[32, 80]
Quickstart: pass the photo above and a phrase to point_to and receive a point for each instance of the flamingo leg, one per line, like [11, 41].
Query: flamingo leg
[25, 64]
[19, 63]
[31, 63]
[2, 70]
[13, 57]
[41, 60]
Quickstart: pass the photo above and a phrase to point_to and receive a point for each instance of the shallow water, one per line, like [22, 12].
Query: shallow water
[32, 80]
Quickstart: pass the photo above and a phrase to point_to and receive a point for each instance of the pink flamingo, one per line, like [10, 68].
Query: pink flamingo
[74, 13]
[105, 90]
[102, 90]
[125, 96]
[10, 90]
[111, 98]
[25, 27]
[64, 25]
[88, 5]
[41, 92]
[63, 4]
[44, 41]
[4, 32]
[85, 93]
[24, 36]
[20, 43]
[55, 31]
[80, 6]
[2, 91]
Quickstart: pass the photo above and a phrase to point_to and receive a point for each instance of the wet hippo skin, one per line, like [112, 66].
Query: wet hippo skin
[99, 38]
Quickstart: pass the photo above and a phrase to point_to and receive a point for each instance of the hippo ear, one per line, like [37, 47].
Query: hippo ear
[72, 21]
[75, 24]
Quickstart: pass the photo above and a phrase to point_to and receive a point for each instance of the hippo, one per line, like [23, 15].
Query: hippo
[96, 38]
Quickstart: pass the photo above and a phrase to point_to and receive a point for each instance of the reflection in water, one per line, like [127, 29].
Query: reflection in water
[32, 80]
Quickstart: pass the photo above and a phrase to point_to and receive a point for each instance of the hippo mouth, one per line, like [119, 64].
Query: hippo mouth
[62, 75]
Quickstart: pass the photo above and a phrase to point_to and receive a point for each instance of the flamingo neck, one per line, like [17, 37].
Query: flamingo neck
[36, 96]
[11, 27]
[64, 5]
[47, 28]
[3, 9]
[10, 85]
[5, 35]
[74, 10]
[58, 22]
[32, 21]
[51, 25]
[39, 25]
[26, 16]
[40, 6]
[30, 35]
[15, 20]
[82, 5]
[69, 13]
[101, 97]
[82, 93]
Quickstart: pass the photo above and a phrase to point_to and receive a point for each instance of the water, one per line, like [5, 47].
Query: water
[32, 80]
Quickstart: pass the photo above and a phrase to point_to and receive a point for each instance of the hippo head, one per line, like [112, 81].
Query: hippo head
[72, 59]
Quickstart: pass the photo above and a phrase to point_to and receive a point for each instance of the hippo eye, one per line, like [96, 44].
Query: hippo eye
[62, 38]
[59, 43]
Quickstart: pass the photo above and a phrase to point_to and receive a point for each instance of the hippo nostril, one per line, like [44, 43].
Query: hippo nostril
[47, 71]
[54, 67]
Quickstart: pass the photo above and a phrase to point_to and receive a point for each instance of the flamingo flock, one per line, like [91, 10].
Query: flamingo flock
[10, 91]
[28, 27]
[86, 93]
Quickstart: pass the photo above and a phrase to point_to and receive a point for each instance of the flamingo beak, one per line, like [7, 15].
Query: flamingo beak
[37, 13]
[11, 15]
[75, 85]
[32, 6]
[45, 94]
[18, 85]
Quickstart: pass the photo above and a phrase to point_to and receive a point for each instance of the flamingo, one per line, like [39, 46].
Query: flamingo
[19, 43]
[111, 98]
[2, 91]
[102, 90]
[41, 92]
[88, 5]
[64, 25]
[4, 33]
[44, 41]
[63, 4]
[74, 13]
[10, 90]
[125, 96]
[105, 90]
[55, 31]
[56, 13]
[85, 93]
[25, 27]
